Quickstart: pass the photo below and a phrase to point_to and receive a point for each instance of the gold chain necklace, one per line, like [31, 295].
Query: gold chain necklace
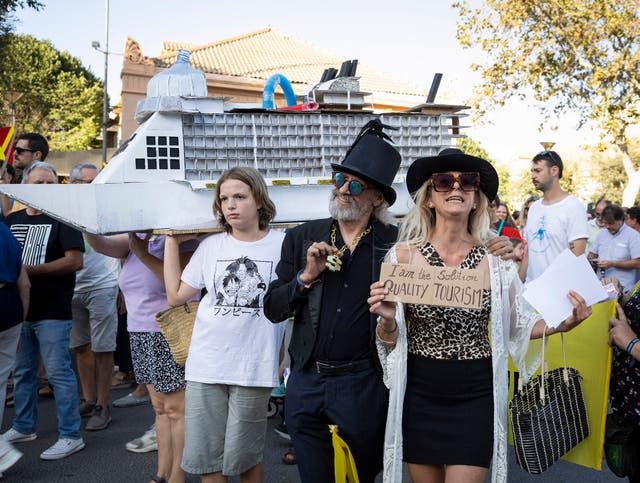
[333, 261]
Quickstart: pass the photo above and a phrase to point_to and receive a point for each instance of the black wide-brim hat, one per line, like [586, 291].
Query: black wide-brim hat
[373, 159]
[452, 159]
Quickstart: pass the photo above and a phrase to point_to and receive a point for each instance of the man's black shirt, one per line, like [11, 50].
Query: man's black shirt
[344, 331]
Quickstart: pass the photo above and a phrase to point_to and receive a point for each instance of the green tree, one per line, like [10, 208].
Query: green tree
[520, 188]
[474, 148]
[7, 18]
[570, 55]
[62, 100]
[609, 172]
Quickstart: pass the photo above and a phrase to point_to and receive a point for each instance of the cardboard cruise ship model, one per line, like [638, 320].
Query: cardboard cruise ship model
[163, 177]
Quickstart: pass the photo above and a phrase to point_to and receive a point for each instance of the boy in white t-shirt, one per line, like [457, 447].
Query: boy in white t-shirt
[233, 357]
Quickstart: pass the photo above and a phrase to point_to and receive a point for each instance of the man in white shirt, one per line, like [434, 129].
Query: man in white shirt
[595, 226]
[95, 323]
[555, 222]
[616, 249]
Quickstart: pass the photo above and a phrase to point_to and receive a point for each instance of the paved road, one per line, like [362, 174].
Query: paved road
[105, 459]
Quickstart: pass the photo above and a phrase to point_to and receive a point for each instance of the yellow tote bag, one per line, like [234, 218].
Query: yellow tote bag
[344, 464]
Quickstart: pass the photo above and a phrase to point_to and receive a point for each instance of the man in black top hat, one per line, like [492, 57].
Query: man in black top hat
[324, 275]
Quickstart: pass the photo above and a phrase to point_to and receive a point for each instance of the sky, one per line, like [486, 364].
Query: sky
[411, 39]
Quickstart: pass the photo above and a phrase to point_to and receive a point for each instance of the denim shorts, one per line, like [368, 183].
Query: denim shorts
[224, 427]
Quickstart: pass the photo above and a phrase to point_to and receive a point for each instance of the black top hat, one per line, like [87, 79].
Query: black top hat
[452, 159]
[373, 159]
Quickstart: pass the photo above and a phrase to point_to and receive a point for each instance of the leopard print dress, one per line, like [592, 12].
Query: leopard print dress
[448, 406]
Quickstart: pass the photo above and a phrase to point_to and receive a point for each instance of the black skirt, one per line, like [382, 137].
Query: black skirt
[448, 412]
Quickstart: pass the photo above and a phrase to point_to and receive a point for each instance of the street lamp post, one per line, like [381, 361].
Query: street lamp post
[105, 98]
[12, 97]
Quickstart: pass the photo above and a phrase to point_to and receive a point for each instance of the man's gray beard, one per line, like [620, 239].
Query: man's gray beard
[350, 213]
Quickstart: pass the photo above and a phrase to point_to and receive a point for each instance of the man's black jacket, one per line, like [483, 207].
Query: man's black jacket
[281, 300]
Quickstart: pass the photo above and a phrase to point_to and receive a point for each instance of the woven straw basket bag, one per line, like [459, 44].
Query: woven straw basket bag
[548, 416]
[176, 325]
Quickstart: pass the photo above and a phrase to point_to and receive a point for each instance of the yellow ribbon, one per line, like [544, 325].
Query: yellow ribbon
[344, 464]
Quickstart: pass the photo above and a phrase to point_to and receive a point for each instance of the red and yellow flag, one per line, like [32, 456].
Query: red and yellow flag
[6, 143]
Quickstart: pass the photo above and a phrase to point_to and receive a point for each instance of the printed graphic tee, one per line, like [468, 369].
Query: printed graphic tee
[233, 342]
[44, 240]
[549, 230]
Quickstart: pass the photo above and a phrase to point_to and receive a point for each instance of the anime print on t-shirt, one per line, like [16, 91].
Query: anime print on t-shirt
[241, 282]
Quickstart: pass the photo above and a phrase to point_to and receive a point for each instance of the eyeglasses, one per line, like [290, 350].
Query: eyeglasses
[22, 150]
[444, 182]
[355, 187]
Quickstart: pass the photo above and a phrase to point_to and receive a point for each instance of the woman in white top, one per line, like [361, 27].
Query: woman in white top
[233, 357]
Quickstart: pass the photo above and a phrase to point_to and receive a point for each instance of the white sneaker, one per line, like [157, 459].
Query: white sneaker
[8, 456]
[13, 436]
[62, 448]
[145, 443]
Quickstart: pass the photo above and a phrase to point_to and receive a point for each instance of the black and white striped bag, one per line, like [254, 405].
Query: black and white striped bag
[548, 416]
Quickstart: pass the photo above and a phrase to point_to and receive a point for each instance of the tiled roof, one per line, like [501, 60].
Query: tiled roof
[265, 52]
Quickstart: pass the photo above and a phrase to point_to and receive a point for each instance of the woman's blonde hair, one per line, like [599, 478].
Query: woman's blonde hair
[252, 178]
[417, 227]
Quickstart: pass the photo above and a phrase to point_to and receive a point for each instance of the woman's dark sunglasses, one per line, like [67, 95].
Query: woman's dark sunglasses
[355, 186]
[445, 181]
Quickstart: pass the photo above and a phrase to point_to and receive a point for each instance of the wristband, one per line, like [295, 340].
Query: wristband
[633, 342]
[301, 283]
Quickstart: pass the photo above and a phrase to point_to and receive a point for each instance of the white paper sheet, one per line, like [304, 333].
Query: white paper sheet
[548, 293]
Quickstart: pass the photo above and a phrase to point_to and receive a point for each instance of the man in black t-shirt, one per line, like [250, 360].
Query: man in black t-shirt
[52, 253]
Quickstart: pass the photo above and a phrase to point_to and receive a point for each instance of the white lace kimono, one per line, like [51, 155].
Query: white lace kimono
[512, 319]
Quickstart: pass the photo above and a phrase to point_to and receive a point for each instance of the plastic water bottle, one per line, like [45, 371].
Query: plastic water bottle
[178, 80]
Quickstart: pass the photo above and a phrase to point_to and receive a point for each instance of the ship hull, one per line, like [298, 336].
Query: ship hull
[171, 205]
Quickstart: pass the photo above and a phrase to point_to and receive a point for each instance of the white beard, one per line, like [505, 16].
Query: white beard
[350, 213]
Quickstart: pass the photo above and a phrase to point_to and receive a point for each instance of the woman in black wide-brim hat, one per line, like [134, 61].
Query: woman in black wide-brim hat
[450, 422]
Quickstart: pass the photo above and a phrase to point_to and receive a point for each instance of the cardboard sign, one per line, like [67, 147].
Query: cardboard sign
[424, 284]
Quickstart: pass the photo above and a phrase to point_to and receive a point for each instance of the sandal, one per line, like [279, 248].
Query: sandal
[289, 458]
[158, 479]
[121, 380]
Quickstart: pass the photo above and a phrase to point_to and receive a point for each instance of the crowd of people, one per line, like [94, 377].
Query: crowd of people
[406, 383]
